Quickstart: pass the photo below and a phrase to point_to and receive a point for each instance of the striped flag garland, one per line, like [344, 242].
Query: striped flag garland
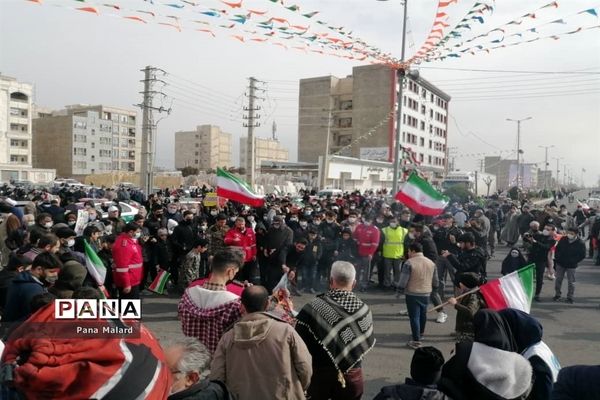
[160, 282]
[514, 290]
[233, 188]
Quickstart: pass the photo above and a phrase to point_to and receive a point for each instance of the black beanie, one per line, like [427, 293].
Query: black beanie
[469, 279]
[426, 365]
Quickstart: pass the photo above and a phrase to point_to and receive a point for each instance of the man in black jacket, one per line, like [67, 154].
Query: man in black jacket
[539, 244]
[278, 237]
[570, 251]
[470, 259]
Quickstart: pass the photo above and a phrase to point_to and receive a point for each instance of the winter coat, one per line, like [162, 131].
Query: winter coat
[183, 238]
[578, 382]
[244, 241]
[367, 238]
[128, 261]
[6, 278]
[524, 220]
[347, 250]
[568, 254]
[441, 237]
[216, 234]
[255, 338]
[70, 278]
[469, 261]
[410, 390]
[24, 287]
[466, 308]
[277, 239]
[510, 233]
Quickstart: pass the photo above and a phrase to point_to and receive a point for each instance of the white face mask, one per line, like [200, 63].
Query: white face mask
[303, 224]
[411, 235]
[294, 219]
[352, 220]
[250, 219]
[393, 224]
[367, 223]
[30, 223]
[317, 222]
[70, 242]
[48, 225]
[138, 235]
[204, 227]
[546, 232]
[213, 212]
[571, 237]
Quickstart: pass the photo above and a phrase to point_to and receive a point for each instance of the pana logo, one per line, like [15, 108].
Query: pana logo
[92, 309]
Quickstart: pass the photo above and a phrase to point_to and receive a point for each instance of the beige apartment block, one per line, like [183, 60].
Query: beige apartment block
[264, 150]
[16, 109]
[207, 147]
[79, 142]
[361, 109]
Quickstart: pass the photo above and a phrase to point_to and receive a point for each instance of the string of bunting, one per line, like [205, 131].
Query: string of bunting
[502, 33]
[436, 33]
[238, 23]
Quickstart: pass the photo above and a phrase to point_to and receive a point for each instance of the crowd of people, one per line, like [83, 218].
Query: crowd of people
[237, 268]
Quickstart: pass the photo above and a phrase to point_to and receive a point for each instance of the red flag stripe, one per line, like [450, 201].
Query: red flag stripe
[493, 295]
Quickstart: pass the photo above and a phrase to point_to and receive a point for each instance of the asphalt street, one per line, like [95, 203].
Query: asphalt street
[571, 331]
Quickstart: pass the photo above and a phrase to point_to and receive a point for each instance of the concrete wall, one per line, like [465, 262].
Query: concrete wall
[113, 179]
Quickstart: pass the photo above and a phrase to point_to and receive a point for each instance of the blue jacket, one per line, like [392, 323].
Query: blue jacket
[23, 288]
[578, 382]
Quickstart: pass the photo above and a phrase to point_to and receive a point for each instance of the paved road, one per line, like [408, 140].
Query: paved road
[572, 331]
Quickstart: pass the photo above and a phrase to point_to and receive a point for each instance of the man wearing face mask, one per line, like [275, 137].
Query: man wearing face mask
[278, 237]
[405, 219]
[67, 242]
[302, 231]
[367, 238]
[293, 222]
[352, 221]
[243, 239]
[570, 251]
[114, 220]
[128, 261]
[330, 231]
[538, 245]
[216, 235]
[43, 225]
[27, 284]
[393, 252]
[173, 213]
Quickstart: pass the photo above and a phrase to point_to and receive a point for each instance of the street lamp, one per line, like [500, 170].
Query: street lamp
[518, 121]
[557, 170]
[546, 165]
[400, 74]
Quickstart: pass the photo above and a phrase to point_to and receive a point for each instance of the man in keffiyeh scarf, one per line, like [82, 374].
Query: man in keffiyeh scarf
[337, 328]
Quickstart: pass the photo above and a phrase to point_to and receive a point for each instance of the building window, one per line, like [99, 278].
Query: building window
[93, 131]
[424, 93]
[18, 159]
[196, 144]
[421, 157]
[93, 145]
[346, 105]
[423, 109]
[430, 145]
[78, 151]
[422, 125]
[345, 123]
[429, 160]
[422, 142]
[80, 164]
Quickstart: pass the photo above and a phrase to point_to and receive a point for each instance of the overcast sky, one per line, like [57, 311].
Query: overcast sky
[78, 57]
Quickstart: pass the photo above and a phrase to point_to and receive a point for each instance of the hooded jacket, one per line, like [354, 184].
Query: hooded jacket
[489, 368]
[70, 278]
[511, 264]
[527, 332]
[255, 338]
[24, 287]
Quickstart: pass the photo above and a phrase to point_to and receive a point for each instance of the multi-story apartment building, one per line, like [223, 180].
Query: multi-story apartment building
[75, 142]
[16, 109]
[207, 147]
[506, 173]
[126, 138]
[363, 117]
[264, 150]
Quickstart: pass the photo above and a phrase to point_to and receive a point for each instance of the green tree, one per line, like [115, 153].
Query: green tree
[459, 194]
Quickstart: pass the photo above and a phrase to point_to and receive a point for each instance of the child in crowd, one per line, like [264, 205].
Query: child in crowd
[467, 306]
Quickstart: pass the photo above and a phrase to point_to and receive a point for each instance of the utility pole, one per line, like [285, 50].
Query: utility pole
[325, 168]
[274, 130]
[400, 74]
[251, 124]
[518, 121]
[452, 157]
[546, 165]
[557, 171]
[149, 127]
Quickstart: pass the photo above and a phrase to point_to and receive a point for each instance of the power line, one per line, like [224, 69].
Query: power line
[520, 88]
[551, 94]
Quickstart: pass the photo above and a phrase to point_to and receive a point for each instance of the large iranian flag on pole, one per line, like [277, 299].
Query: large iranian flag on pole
[514, 290]
[95, 267]
[418, 195]
[233, 188]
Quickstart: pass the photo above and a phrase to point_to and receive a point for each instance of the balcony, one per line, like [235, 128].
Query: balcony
[131, 132]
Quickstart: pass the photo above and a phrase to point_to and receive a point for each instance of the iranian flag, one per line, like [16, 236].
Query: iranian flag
[233, 188]
[514, 290]
[160, 282]
[418, 195]
[95, 266]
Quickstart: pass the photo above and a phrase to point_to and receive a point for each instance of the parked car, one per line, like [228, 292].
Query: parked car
[128, 210]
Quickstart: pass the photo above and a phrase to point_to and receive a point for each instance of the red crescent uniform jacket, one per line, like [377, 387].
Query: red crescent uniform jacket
[127, 255]
[245, 241]
[367, 238]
